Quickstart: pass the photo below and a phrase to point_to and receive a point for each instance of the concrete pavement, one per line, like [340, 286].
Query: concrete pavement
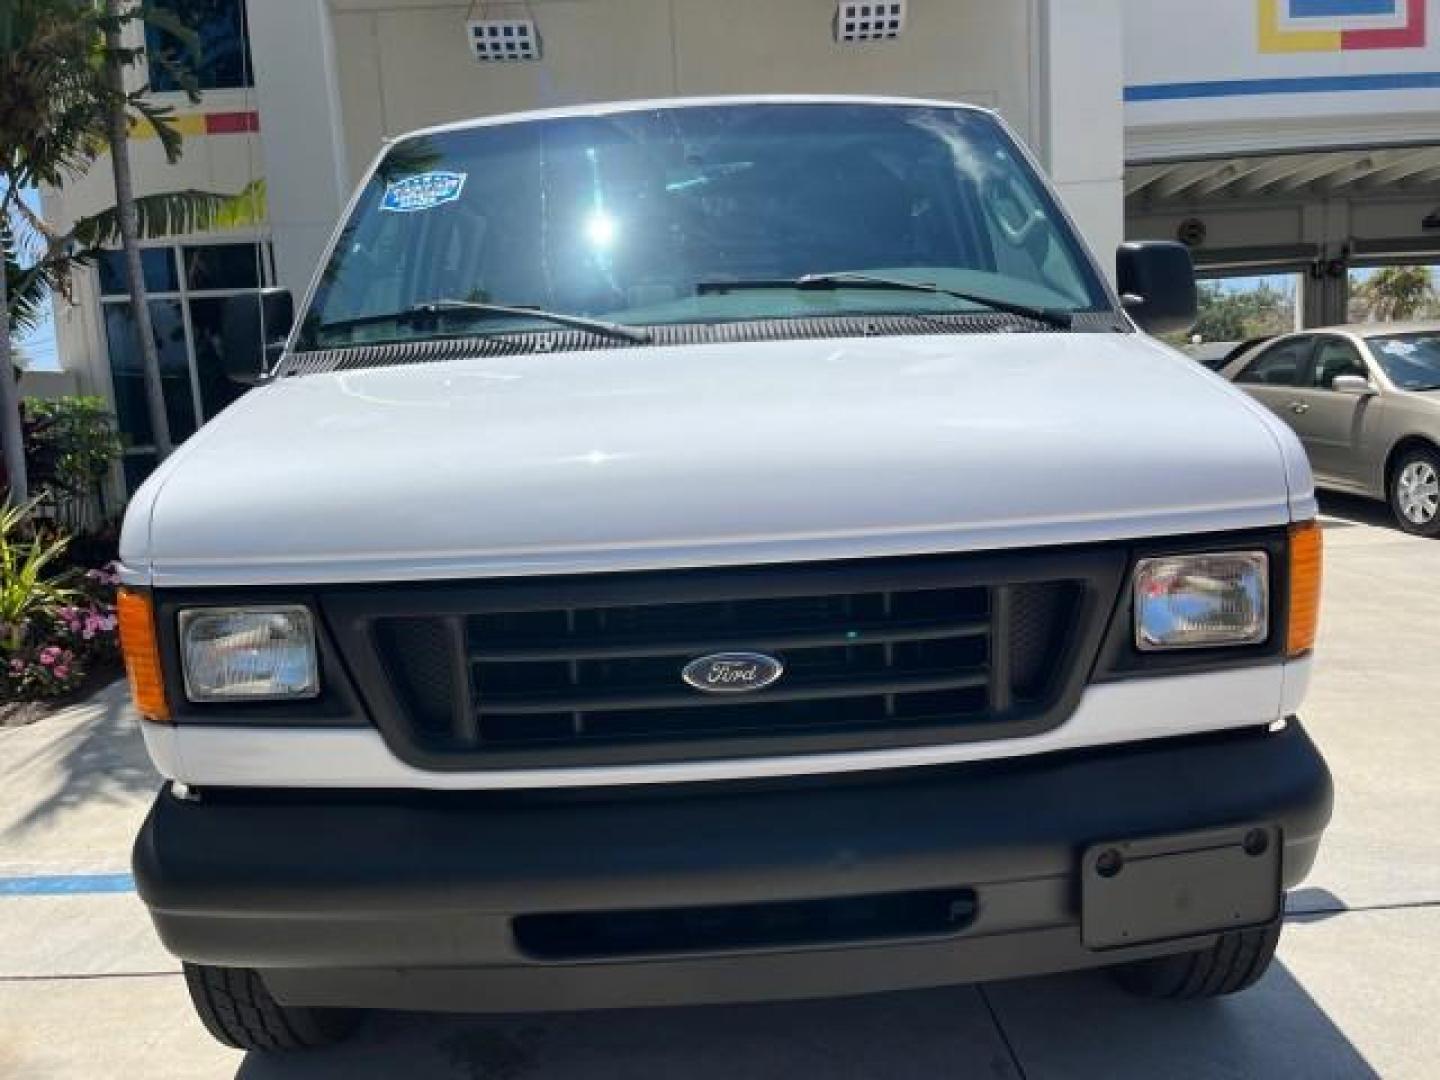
[86, 991]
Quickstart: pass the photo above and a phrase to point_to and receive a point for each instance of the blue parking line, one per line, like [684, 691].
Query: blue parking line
[66, 884]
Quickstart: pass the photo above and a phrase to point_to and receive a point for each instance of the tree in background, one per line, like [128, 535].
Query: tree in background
[1240, 314]
[63, 104]
[1394, 293]
[119, 107]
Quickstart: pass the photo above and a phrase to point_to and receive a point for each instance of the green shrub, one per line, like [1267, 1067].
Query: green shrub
[31, 585]
[55, 624]
[70, 445]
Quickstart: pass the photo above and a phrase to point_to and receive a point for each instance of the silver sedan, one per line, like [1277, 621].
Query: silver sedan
[1365, 401]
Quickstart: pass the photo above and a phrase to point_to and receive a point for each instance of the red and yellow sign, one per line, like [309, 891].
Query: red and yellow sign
[1288, 26]
[215, 123]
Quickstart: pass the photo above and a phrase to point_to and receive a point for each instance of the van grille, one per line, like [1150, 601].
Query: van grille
[509, 679]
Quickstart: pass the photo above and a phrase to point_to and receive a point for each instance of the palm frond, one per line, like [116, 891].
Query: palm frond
[175, 212]
[161, 119]
[165, 19]
[181, 73]
[26, 294]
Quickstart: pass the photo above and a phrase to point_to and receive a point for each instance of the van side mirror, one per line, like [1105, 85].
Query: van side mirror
[1355, 385]
[1157, 285]
[254, 327]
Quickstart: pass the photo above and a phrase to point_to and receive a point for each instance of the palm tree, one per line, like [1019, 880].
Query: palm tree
[12, 440]
[47, 114]
[62, 105]
[118, 108]
[1396, 293]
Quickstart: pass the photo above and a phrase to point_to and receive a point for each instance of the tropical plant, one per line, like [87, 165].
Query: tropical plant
[31, 583]
[70, 445]
[1396, 292]
[63, 106]
[1227, 313]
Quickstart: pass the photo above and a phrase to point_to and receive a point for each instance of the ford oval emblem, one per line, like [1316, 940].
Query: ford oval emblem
[732, 672]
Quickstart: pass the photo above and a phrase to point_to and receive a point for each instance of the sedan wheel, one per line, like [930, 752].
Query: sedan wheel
[1415, 493]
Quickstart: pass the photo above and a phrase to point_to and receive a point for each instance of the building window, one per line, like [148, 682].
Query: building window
[1235, 308]
[187, 288]
[1394, 293]
[224, 42]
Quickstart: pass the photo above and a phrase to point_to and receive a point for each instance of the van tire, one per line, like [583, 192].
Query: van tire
[1419, 456]
[239, 1011]
[1237, 960]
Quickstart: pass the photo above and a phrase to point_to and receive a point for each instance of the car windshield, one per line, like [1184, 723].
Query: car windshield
[1412, 361]
[624, 216]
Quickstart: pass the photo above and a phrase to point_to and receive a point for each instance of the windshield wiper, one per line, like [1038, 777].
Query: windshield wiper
[1063, 320]
[432, 308]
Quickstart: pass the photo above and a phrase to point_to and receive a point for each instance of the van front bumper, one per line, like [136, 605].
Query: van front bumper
[427, 900]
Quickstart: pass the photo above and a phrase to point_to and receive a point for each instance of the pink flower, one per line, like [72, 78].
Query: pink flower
[49, 654]
[62, 672]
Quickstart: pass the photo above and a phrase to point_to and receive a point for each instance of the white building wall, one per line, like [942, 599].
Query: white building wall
[403, 64]
[306, 158]
[1080, 102]
[1207, 77]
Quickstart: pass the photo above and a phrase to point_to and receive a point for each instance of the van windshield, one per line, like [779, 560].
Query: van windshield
[665, 215]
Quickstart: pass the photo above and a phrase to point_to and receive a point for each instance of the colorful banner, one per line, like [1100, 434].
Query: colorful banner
[216, 123]
[1291, 26]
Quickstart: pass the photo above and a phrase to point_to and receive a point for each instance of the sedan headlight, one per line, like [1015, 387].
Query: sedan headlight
[249, 654]
[1199, 601]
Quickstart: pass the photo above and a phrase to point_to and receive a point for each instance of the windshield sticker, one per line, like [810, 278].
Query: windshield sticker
[423, 191]
[1399, 348]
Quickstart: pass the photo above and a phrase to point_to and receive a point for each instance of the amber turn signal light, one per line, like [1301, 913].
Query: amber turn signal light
[1305, 574]
[142, 654]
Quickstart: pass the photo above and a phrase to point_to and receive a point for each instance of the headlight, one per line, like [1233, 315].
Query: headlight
[248, 654]
[1195, 601]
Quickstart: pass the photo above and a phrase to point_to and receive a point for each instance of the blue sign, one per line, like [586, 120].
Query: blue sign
[1329, 9]
[423, 191]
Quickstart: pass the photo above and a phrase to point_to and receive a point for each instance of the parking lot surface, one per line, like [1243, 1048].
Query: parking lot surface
[86, 991]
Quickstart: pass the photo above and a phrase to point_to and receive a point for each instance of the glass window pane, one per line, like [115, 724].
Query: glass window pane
[1412, 361]
[1285, 364]
[224, 46]
[207, 320]
[644, 216]
[223, 266]
[158, 265]
[1394, 293]
[128, 370]
[1335, 357]
[1239, 308]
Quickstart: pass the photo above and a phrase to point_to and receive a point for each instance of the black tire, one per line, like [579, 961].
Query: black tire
[1417, 455]
[1235, 962]
[235, 1007]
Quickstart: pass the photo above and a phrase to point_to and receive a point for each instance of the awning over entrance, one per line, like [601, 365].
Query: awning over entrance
[1317, 214]
[1350, 174]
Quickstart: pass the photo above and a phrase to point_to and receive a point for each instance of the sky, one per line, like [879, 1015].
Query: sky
[39, 347]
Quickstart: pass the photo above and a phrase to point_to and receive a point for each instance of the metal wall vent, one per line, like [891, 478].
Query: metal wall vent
[504, 39]
[882, 21]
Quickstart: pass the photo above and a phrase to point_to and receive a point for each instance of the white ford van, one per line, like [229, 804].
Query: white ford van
[719, 550]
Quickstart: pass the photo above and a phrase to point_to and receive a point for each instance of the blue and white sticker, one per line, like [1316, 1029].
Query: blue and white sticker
[423, 191]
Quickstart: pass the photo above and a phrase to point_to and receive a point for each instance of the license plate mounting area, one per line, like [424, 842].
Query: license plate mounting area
[1136, 892]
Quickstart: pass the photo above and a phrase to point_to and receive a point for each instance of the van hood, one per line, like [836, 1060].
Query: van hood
[712, 454]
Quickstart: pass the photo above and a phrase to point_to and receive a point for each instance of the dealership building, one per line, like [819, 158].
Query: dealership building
[1295, 139]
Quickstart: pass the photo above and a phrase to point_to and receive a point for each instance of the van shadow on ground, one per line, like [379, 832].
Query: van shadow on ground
[1347, 511]
[1074, 1026]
